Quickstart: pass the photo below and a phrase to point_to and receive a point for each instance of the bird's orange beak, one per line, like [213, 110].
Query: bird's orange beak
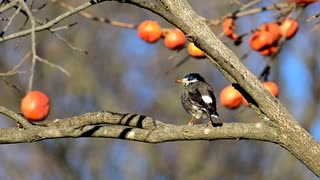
[179, 81]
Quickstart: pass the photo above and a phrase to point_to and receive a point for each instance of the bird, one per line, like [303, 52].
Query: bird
[198, 98]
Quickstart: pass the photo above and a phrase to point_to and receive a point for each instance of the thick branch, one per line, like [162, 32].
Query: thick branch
[292, 136]
[134, 127]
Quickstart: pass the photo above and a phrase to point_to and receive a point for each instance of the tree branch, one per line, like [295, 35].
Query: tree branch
[133, 127]
[50, 23]
[292, 136]
[17, 117]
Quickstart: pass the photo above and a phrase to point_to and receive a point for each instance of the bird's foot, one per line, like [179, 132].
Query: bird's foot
[209, 123]
[213, 124]
[190, 123]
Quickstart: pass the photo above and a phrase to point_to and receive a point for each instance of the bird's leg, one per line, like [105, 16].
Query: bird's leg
[190, 123]
[210, 122]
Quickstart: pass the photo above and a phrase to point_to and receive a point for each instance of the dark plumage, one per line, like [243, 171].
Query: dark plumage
[198, 97]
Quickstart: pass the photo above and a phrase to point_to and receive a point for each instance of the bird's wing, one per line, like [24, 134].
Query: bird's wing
[196, 99]
[203, 97]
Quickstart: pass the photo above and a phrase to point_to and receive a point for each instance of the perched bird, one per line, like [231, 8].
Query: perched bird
[198, 98]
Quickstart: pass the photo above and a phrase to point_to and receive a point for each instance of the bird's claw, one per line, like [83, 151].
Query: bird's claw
[208, 124]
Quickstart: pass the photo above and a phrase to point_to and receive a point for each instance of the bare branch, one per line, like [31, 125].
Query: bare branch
[15, 69]
[33, 42]
[14, 116]
[51, 23]
[10, 20]
[8, 6]
[136, 128]
[99, 19]
[53, 65]
[68, 44]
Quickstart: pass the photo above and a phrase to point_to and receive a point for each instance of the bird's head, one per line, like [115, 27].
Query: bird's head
[190, 78]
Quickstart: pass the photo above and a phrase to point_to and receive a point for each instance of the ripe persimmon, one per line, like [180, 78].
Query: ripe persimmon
[35, 105]
[175, 39]
[270, 50]
[302, 2]
[289, 27]
[195, 51]
[273, 28]
[260, 40]
[272, 87]
[228, 26]
[149, 31]
[230, 97]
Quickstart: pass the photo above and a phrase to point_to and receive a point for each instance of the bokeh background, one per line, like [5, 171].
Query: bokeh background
[122, 73]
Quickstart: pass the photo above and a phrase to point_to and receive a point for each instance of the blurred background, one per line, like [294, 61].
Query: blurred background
[122, 73]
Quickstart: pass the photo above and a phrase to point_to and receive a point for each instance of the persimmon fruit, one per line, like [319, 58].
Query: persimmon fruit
[174, 39]
[35, 106]
[149, 31]
[289, 27]
[260, 40]
[302, 2]
[270, 50]
[272, 87]
[228, 26]
[230, 97]
[195, 51]
[273, 28]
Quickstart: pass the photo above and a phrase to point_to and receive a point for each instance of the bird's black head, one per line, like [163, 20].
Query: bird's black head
[191, 78]
[194, 77]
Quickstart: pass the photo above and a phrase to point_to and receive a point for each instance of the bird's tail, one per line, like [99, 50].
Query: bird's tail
[213, 113]
[216, 115]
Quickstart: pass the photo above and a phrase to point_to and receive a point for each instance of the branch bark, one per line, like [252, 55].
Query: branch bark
[133, 127]
[291, 135]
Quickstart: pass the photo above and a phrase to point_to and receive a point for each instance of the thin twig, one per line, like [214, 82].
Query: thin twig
[14, 70]
[313, 17]
[53, 65]
[246, 6]
[33, 42]
[11, 20]
[180, 63]
[12, 73]
[257, 10]
[17, 117]
[68, 44]
[8, 6]
[62, 27]
[175, 53]
[25, 57]
[49, 24]
[15, 87]
[99, 19]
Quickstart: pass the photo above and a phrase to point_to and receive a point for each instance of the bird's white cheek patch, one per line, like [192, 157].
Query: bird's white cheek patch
[206, 99]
